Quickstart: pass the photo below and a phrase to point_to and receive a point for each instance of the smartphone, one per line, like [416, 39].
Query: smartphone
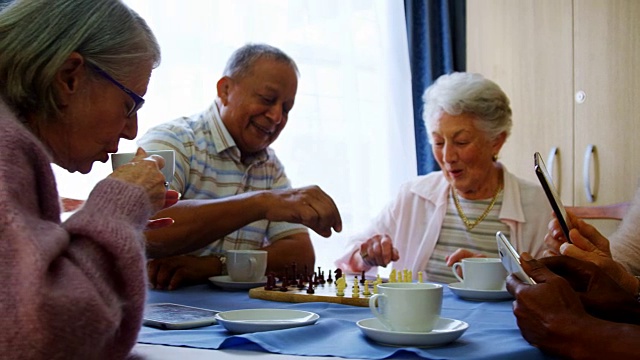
[168, 316]
[510, 259]
[552, 195]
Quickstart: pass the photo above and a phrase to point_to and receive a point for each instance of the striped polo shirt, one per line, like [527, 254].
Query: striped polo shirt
[209, 166]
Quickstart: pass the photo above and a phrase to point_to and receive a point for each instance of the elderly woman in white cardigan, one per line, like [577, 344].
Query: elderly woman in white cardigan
[445, 216]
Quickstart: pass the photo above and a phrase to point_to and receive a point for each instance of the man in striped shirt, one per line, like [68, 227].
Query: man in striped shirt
[235, 193]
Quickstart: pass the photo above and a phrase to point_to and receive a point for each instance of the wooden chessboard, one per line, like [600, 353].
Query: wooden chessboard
[322, 293]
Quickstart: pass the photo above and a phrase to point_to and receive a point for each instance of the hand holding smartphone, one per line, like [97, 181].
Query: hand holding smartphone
[510, 259]
[552, 195]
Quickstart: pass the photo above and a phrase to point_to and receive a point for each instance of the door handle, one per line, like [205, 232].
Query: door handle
[590, 157]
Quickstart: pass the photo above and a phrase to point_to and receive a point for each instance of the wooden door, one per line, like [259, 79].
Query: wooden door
[525, 46]
[607, 71]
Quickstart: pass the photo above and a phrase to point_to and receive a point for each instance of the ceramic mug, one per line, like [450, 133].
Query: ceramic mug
[481, 273]
[246, 265]
[407, 307]
[119, 159]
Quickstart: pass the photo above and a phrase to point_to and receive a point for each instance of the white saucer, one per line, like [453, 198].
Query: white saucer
[255, 320]
[225, 282]
[479, 295]
[445, 331]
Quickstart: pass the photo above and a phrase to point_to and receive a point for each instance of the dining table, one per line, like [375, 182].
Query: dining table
[492, 331]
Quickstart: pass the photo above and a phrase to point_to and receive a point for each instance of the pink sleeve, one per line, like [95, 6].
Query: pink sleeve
[71, 290]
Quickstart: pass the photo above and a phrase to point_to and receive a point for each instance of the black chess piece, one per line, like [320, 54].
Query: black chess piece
[338, 273]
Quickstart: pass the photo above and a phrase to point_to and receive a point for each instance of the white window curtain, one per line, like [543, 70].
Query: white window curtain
[351, 130]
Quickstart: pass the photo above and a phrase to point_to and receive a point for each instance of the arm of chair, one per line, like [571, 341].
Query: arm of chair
[614, 211]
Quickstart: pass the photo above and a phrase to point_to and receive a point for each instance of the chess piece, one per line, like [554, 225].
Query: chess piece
[341, 284]
[362, 278]
[329, 279]
[366, 291]
[420, 277]
[338, 273]
[393, 277]
[355, 291]
[310, 289]
[271, 281]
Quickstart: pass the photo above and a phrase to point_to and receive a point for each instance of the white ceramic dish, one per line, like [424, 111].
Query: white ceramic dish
[255, 320]
[225, 282]
[479, 295]
[445, 331]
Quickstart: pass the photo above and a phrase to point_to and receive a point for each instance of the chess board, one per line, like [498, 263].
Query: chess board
[322, 293]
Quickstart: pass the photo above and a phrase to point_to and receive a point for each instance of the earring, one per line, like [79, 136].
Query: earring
[495, 158]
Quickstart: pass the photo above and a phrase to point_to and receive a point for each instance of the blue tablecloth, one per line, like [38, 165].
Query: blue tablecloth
[492, 333]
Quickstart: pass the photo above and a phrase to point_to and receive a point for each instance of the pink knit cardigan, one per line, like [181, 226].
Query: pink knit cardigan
[72, 290]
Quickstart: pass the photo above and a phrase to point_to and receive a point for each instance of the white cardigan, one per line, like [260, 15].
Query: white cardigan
[414, 219]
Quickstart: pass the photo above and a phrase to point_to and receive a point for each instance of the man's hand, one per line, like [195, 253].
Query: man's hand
[549, 313]
[600, 295]
[172, 272]
[309, 206]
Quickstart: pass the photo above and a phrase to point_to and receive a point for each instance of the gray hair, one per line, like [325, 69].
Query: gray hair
[241, 61]
[468, 93]
[37, 36]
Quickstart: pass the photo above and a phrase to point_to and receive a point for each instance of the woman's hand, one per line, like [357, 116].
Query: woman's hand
[144, 171]
[589, 245]
[555, 236]
[375, 251]
[460, 254]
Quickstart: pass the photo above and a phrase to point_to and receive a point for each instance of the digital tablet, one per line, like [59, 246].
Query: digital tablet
[511, 259]
[552, 195]
[170, 316]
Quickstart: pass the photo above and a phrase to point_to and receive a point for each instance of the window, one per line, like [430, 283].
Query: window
[351, 130]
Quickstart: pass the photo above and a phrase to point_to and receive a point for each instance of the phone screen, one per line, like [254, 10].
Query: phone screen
[175, 316]
[552, 194]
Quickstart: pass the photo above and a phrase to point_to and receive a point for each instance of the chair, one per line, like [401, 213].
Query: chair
[613, 212]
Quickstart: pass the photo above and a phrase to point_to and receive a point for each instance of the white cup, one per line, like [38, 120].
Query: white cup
[407, 307]
[481, 273]
[246, 265]
[119, 159]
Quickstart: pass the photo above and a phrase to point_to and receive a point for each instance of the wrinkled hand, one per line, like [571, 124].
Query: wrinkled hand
[555, 236]
[144, 170]
[549, 312]
[589, 245]
[460, 254]
[309, 206]
[377, 251]
[171, 272]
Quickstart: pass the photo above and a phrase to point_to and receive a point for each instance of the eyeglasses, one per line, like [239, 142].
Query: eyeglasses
[138, 101]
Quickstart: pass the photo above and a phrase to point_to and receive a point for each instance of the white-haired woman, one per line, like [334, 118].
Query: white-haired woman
[445, 216]
[72, 75]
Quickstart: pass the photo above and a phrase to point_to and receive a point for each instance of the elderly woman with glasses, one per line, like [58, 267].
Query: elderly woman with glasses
[445, 216]
[72, 76]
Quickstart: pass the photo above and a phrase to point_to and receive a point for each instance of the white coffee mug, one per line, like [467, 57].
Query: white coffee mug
[407, 307]
[481, 273]
[119, 159]
[246, 265]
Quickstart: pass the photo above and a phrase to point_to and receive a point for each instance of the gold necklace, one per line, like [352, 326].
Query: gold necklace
[471, 224]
